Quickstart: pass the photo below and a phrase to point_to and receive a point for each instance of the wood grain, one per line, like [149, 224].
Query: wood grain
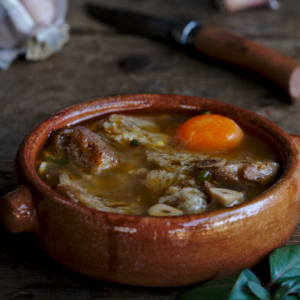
[88, 68]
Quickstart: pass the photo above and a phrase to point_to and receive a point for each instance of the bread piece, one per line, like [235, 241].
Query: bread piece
[72, 190]
[124, 129]
[86, 148]
[174, 161]
[189, 200]
[159, 180]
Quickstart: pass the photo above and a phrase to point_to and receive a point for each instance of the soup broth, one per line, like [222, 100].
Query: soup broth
[134, 164]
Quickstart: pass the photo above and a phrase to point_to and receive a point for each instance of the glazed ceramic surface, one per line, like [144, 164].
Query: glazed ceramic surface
[152, 251]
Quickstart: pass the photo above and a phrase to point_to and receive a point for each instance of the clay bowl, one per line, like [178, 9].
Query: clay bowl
[150, 251]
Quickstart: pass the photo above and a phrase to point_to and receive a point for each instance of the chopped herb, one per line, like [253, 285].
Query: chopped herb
[204, 175]
[134, 143]
[58, 161]
[207, 112]
[64, 160]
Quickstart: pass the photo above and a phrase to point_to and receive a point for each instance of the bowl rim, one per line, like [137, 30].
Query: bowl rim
[25, 159]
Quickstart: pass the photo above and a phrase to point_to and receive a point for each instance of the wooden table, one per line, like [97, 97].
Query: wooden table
[89, 67]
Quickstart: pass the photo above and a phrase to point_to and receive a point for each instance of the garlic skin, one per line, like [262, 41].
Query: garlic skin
[42, 12]
[237, 5]
[34, 27]
[9, 37]
[18, 16]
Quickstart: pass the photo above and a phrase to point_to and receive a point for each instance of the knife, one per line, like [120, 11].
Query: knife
[208, 40]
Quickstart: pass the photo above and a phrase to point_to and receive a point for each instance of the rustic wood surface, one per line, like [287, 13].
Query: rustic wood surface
[89, 67]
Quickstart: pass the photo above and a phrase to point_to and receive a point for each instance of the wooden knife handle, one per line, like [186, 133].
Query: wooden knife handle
[241, 52]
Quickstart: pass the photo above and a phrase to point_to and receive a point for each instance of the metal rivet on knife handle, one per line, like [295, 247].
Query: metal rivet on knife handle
[241, 52]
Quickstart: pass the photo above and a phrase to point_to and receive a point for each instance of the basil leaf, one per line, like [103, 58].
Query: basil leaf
[216, 289]
[241, 290]
[62, 161]
[281, 293]
[284, 263]
[287, 297]
[259, 291]
[293, 284]
[224, 288]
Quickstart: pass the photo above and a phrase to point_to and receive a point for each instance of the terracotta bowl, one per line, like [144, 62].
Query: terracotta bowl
[150, 251]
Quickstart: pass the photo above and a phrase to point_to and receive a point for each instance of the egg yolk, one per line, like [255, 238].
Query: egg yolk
[210, 133]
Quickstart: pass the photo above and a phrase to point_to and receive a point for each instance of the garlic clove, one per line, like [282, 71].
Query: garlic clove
[225, 197]
[36, 28]
[42, 12]
[8, 35]
[162, 210]
[19, 16]
[61, 11]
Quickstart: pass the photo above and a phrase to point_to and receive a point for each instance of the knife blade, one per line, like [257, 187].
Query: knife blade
[212, 41]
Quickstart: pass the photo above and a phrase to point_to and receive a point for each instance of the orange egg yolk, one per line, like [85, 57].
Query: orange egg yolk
[210, 133]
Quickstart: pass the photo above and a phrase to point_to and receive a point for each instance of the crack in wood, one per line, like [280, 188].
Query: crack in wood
[78, 31]
[85, 32]
[6, 167]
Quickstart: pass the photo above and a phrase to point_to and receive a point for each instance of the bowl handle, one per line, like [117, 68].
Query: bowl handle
[17, 211]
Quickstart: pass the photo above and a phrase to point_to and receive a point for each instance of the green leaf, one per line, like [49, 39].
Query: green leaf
[217, 289]
[288, 297]
[293, 284]
[62, 161]
[233, 287]
[281, 293]
[284, 263]
[241, 290]
[259, 291]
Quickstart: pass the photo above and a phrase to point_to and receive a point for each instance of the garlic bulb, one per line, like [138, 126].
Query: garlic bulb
[236, 5]
[34, 27]
[8, 34]
[42, 12]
